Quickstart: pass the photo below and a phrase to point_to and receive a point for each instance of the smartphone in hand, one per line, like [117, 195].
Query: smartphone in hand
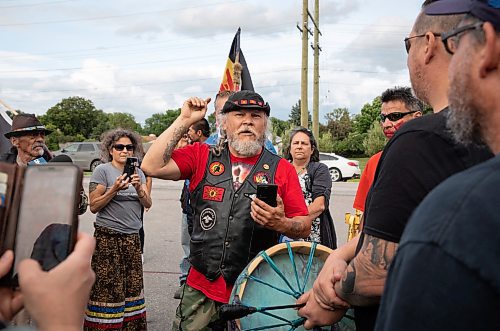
[46, 224]
[130, 165]
[268, 193]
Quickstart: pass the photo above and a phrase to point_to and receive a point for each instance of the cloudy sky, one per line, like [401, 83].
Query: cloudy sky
[143, 57]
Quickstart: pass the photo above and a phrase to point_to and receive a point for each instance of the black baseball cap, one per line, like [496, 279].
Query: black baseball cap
[485, 10]
[246, 100]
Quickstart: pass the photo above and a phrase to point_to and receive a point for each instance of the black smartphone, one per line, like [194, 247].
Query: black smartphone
[130, 165]
[268, 193]
[47, 221]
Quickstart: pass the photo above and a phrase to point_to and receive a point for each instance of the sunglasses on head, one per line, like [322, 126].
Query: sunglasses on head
[120, 147]
[393, 117]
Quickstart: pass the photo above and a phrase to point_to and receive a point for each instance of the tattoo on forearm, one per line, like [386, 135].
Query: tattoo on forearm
[296, 229]
[349, 279]
[381, 251]
[178, 132]
[92, 186]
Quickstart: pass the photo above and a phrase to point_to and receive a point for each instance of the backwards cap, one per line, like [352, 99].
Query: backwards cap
[485, 10]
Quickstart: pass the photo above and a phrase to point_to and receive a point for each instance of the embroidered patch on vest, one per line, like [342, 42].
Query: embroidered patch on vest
[207, 219]
[265, 166]
[216, 168]
[213, 193]
[261, 177]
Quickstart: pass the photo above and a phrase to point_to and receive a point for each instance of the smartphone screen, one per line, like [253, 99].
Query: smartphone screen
[130, 165]
[47, 220]
[268, 193]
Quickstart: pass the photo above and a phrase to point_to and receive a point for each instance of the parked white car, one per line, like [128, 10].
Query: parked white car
[341, 169]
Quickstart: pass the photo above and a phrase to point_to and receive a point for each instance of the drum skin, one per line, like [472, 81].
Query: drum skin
[251, 292]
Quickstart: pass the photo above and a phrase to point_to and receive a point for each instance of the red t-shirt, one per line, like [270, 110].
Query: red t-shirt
[192, 162]
[365, 182]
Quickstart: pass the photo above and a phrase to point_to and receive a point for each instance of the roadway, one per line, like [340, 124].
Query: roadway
[163, 250]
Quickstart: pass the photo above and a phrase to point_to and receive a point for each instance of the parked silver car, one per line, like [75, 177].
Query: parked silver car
[341, 169]
[86, 155]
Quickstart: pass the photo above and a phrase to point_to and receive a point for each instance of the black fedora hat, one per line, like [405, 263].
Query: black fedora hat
[23, 124]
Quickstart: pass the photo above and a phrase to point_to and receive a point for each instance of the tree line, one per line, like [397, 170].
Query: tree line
[77, 119]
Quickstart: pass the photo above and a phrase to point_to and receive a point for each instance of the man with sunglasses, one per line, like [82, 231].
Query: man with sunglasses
[230, 225]
[398, 107]
[419, 157]
[452, 241]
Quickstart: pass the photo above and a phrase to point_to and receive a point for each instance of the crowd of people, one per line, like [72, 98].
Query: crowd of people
[426, 257]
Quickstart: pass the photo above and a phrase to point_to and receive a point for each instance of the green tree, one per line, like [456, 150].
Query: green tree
[123, 120]
[295, 115]
[73, 116]
[375, 139]
[101, 127]
[339, 123]
[427, 109]
[369, 113]
[160, 121]
[212, 122]
[325, 142]
[351, 146]
[279, 127]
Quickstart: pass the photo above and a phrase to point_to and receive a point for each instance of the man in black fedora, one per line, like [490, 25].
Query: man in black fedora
[27, 136]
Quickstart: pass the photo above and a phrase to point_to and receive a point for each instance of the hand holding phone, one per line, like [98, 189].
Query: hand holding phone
[44, 229]
[268, 193]
[129, 168]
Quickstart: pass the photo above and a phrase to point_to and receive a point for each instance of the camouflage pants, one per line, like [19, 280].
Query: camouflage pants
[196, 312]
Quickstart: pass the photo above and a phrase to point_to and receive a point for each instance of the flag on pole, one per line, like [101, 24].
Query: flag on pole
[236, 76]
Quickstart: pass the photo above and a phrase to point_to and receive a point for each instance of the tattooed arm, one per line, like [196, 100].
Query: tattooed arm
[98, 195]
[274, 218]
[363, 281]
[157, 162]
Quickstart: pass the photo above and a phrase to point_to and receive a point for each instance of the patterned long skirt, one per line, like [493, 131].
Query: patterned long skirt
[117, 298]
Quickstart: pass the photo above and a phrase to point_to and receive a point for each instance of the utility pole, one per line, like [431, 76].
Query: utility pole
[304, 112]
[315, 117]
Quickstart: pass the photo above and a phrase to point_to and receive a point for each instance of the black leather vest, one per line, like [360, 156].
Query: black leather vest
[225, 237]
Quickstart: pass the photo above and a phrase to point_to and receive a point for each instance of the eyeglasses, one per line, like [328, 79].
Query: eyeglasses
[393, 117]
[120, 147]
[450, 39]
[407, 40]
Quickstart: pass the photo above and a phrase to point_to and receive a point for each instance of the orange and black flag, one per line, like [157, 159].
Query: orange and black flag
[236, 76]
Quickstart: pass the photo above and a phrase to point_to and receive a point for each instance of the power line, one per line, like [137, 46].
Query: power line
[117, 16]
[37, 4]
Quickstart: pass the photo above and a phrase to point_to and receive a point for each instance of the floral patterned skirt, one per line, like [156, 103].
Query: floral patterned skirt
[117, 298]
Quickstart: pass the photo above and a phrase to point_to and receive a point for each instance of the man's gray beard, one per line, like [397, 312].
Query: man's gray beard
[462, 119]
[246, 148]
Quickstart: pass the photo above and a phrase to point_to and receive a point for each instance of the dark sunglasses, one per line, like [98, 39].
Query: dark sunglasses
[450, 39]
[393, 117]
[407, 40]
[120, 147]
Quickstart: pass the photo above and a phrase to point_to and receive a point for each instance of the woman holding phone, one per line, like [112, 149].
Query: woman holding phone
[316, 184]
[117, 298]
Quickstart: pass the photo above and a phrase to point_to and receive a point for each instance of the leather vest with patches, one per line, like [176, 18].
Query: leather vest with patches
[225, 238]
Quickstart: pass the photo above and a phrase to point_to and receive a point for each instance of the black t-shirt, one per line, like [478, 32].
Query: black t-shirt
[446, 275]
[421, 155]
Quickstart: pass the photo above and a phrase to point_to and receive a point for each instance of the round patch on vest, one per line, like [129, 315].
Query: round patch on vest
[261, 177]
[265, 166]
[207, 219]
[216, 168]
